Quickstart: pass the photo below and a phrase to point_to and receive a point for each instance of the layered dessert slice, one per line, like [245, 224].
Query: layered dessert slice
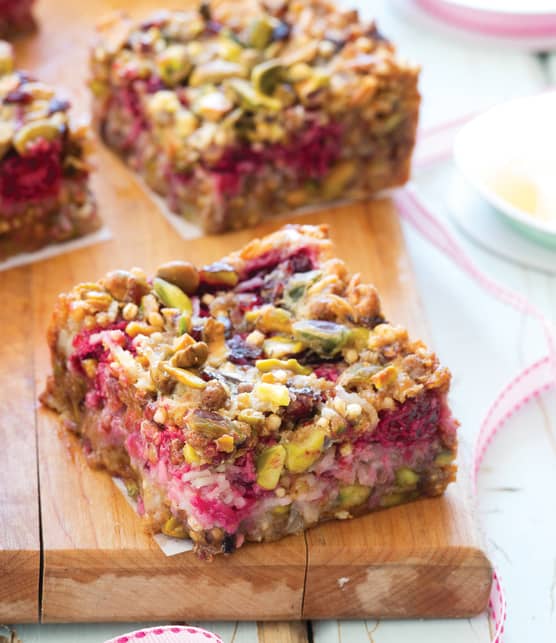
[251, 398]
[243, 110]
[16, 17]
[44, 194]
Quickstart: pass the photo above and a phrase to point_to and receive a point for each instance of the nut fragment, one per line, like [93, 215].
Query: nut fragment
[191, 356]
[125, 286]
[171, 295]
[173, 64]
[215, 72]
[214, 396]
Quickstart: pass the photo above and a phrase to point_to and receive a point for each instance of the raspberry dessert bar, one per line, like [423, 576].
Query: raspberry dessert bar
[241, 110]
[251, 398]
[16, 17]
[44, 195]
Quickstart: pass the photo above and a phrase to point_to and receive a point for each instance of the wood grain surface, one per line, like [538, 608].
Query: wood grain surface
[421, 559]
[19, 500]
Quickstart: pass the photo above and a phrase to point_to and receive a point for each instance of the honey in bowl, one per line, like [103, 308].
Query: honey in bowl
[528, 185]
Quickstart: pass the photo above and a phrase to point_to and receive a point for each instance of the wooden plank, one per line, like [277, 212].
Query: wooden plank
[19, 500]
[98, 564]
[92, 568]
[295, 632]
[414, 560]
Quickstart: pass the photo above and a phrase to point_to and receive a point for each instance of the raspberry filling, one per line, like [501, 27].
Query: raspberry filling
[310, 157]
[415, 420]
[32, 177]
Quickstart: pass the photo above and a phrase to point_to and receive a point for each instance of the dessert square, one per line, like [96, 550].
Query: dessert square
[44, 193]
[16, 17]
[247, 109]
[253, 397]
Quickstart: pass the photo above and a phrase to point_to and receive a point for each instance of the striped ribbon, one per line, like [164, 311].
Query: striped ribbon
[527, 385]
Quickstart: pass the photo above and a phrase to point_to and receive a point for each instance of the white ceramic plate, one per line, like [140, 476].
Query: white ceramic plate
[513, 7]
[529, 23]
[487, 228]
[508, 154]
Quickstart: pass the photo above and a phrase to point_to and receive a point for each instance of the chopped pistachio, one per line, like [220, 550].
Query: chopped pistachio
[338, 178]
[260, 31]
[281, 510]
[265, 365]
[185, 123]
[353, 495]
[384, 377]
[302, 453]
[184, 323]
[358, 375]
[304, 54]
[324, 337]
[171, 295]
[270, 318]
[184, 376]
[216, 71]
[173, 64]
[266, 75]
[307, 88]
[444, 458]
[225, 443]
[191, 456]
[276, 394]
[219, 274]
[392, 499]
[210, 424]
[174, 528]
[270, 465]
[251, 99]
[162, 104]
[279, 347]
[229, 47]
[213, 105]
[359, 337]
[406, 477]
[298, 72]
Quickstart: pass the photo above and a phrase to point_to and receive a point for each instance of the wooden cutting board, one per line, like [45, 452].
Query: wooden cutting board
[89, 559]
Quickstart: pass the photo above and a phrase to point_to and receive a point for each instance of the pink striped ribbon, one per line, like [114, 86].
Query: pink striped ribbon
[529, 384]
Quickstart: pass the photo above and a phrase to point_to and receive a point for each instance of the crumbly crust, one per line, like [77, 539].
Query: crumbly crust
[240, 110]
[270, 375]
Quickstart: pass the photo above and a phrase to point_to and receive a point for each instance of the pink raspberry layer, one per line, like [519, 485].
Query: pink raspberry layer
[35, 176]
[408, 435]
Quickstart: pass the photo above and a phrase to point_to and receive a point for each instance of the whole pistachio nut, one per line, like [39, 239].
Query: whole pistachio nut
[182, 274]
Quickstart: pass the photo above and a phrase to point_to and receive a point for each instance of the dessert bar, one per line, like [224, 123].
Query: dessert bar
[44, 193]
[253, 397]
[237, 111]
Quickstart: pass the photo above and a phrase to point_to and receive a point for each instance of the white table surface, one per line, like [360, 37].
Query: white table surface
[484, 343]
